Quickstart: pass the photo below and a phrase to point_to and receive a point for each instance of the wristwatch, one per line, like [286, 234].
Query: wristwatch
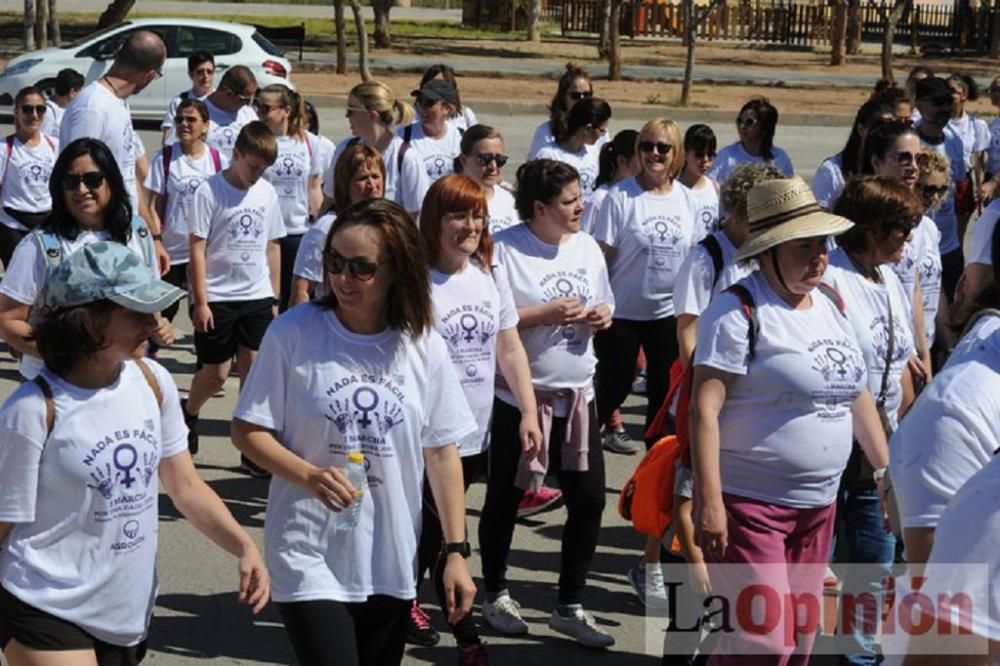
[879, 474]
[462, 548]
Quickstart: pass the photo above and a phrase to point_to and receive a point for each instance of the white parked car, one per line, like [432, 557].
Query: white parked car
[231, 43]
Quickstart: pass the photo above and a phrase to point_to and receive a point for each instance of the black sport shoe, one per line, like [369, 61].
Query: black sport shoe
[192, 423]
[419, 630]
[253, 469]
[472, 654]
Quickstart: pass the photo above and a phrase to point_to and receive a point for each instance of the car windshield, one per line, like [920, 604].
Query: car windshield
[83, 40]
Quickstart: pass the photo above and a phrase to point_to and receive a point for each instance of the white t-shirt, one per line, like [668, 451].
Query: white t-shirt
[436, 155]
[930, 275]
[909, 264]
[866, 310]
[586, 161]
[171, 113]
[470, 309]
[326, 150]
[24, 178]
[981, 236]
[502, 210]
[696, 284]
[224, 127]
[945, 217]
[785, 428]
[326, 391]
[652, 235]
[309, 259]
[591, 211]
[28, 273]
[52, 121]
[85, 512]
[464, 120]
[543, 137]
[560, 357]
[706, 205]
[828, 182]
[406, 181]
[100, 114]
[735, 154]
[974, 133]
[993, 152]
[297, 162]
[237, 224]
[186, 174]
[953, 429]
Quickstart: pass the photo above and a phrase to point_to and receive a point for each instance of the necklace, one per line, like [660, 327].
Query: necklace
[114, 88]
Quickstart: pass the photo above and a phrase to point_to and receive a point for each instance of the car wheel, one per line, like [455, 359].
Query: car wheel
[47, 86]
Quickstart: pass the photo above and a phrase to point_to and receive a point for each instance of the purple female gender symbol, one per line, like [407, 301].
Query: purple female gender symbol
[468, 323]
[126, 477]
[839, 358]
[661, 229]
[365, 420]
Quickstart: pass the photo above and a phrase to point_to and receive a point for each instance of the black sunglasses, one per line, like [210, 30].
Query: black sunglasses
[486, 158]
[930, 190]
[91, 180]
[908, 225]
[575, 95]
[660, 147]
[33, 109]
[358, 268]
[746, 122]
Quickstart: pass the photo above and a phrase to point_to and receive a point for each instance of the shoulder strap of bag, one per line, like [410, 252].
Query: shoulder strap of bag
[890, 352]
[154, 385]
[986, 312]
[750, 310]
[216, 160]
[407, 135]
[10, 151]
[834, 297]
[711, 245]
[50, 403]
[168, 153]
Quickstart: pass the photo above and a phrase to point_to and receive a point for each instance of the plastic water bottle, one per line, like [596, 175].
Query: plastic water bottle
[347, 519]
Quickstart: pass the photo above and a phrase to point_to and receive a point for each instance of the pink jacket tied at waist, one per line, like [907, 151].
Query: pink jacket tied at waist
[531, 473]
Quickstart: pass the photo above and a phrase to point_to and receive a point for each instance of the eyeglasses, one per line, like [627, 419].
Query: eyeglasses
[930, 191]
[357, 109]
[660, 147]
[33, 109]
[91, 180]
[747, 122]
[359, 269]
[157, 74]
[576, 95]
[485, 159]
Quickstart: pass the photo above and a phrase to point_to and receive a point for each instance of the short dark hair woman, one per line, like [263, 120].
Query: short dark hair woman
[378, 381]
[579, 143]
[755, 123]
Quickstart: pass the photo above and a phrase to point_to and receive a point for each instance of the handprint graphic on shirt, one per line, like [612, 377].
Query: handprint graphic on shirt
[341, 417]
[104, 482]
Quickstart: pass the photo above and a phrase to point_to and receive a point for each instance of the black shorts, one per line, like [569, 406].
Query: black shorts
[237, 324]
[34, 628]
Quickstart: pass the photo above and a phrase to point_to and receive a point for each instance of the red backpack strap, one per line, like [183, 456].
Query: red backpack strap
[216, 160]
[834, 296]
[750, 310]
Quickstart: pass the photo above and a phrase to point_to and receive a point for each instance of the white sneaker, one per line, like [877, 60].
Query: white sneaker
[617, 441]
[656, 590]
[503, 615]
[580, 626]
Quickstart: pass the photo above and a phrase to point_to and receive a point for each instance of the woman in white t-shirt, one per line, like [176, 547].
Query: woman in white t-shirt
[83, 449]
[326, 147]
[89, 204]
[699, 154]
[885, 212]
[432, 136]
[176, 172]
[361, 370]
[579, 144]
[833, 171]
[560, 286]
[372, 114]
[618, 161]
[482, 159]
[475, 314]
[773, 411]
[26, 160]
[755, 124]
[358, 176]
[296, 173]
[574, 85]
[463, 117]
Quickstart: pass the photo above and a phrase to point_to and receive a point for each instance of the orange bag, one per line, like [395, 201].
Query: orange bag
[648, 498]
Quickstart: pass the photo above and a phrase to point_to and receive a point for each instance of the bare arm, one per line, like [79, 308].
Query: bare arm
[868, 430]
[920, 331]
[707, 397]
[687, 337]
[201, 315]
[274, 265]
[4, 531]
[565, 310]
[609, 252]
[919, 541]
[315, 195]
[14, 326]
[300, 290]
[513, 362]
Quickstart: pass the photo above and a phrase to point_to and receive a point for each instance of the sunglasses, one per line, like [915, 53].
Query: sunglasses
[746, 122]
[426, 103]
[908, 225]
[91, 180]
[33, 109]
[660, 147]
[575, 95]
[932, 191]
[357, 109]
[359, 269]
[485, 159]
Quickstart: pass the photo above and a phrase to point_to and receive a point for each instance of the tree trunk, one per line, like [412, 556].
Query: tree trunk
[115, 13]
[359, 26]
[604, 20]
[42, 24]
[995, 39]
[55, 33]
[534, 20]
[29, 25]
[888, 37]
[690, 30]
[383, 36]
[854, 25]
[341, 29]
[614, 42]
[838, 33]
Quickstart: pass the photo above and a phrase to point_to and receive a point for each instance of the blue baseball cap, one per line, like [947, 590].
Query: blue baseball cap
[107, 270]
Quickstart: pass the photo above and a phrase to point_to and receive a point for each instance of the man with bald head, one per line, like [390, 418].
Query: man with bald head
[101, 110]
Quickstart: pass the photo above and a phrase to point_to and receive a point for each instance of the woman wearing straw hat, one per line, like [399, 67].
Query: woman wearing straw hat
[791, 378]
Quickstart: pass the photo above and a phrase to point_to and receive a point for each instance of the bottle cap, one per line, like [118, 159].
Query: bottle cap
[355, 457]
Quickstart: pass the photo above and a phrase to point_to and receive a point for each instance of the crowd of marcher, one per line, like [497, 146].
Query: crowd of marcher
[406, 322]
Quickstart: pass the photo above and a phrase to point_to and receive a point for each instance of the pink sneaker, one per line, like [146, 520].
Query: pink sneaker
[546, 498]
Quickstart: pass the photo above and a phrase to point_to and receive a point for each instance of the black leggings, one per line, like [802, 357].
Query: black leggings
[432, 538]
[617, 349]
[319, 631]
[289, 248]
[583, 493]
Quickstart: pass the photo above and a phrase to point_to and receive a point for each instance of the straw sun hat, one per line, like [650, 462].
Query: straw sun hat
[783, 210]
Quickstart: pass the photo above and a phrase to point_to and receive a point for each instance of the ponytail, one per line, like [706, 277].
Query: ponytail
[296, 119]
